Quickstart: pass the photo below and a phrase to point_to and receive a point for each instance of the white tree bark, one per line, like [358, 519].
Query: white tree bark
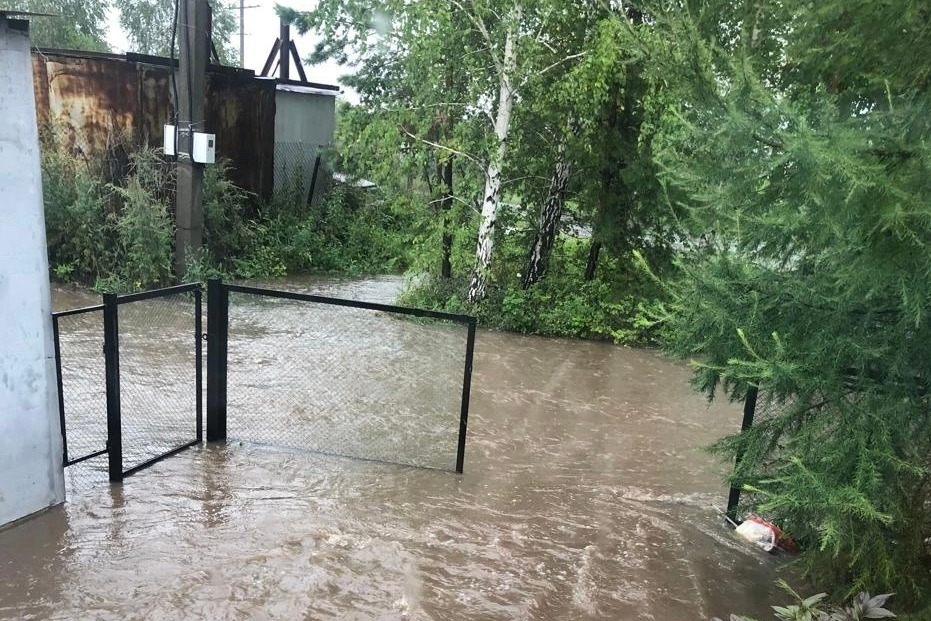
[492, 195]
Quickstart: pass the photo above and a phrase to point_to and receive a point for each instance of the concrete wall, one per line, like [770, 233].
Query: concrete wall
[31, 476]
[305, 118]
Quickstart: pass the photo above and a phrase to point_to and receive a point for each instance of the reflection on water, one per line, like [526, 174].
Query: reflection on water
[586, 496]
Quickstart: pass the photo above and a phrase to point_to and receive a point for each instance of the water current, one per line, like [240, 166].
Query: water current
[586, 495]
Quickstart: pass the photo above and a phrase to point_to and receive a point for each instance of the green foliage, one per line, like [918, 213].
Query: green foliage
[351, 231]
[73, 24]
[610, 306]
[808, 172]
[145, 233]
[118, 236]
[226, 210]
[79, 227]
[860, 607]
[148, 23]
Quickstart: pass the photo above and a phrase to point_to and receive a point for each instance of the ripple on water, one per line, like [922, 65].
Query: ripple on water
[586, 496]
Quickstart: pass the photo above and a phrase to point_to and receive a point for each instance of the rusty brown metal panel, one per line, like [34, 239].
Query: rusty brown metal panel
[155, 109]
[93, 98]
[91, 102]
[40, 87]
[241, 112]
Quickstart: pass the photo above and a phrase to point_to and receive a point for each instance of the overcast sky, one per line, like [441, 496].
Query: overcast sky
[261, 30]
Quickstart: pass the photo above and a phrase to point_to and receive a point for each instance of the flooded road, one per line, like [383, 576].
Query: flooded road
[585, 496]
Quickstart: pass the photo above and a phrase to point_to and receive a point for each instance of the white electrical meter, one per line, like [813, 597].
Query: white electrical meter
[204, 148]
[169, 140]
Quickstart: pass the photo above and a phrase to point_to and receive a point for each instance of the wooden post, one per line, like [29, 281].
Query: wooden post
[284, 59]
[194, 45]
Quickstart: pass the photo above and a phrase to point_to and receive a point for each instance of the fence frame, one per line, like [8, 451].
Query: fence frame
[218, 359]
[733, 496]
[111, 304]
[56, 316]
[217, 337]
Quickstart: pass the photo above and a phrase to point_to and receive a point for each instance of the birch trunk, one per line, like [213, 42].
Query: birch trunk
[492, 195]
[550, 215]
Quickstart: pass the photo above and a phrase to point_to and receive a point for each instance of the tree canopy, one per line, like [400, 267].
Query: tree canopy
[72, 24]
[779, 149]
[799, 144]
[148, 25]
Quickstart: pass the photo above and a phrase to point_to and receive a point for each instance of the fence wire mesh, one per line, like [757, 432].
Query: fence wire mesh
[158, 390]
[345, 381]
[299, 170]
[83, 395]
[763, 406]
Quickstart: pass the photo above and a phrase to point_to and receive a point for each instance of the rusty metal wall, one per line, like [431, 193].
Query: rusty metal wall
[92, 100]
[241, 112]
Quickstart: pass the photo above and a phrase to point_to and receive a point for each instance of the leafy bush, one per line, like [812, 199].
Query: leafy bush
[79, 229]
[563, 304]
[225, 215]
[144, 228]
[862, 606]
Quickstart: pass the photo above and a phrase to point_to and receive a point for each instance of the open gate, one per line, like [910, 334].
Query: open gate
[342, 377]
[129, 379]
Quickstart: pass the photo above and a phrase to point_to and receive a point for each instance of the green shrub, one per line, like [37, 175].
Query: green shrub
[79, 230]
[860, 607]
[225, 214]
[144, 228]
[563, 304]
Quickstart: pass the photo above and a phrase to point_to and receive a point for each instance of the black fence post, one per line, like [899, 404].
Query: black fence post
[111, 352]
[217, 334]
[61, 391]
[733, 498]
[466, 391]
[199, 362]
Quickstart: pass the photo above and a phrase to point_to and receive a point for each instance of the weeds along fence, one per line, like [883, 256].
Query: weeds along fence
[341, 377]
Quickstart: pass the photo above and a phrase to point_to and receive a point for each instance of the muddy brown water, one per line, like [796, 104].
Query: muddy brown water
[586, 495]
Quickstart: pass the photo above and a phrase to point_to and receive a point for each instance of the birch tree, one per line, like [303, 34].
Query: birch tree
[486, 51]
[505, 64]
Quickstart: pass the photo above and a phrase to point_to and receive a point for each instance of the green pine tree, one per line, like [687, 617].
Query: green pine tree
[800, 146]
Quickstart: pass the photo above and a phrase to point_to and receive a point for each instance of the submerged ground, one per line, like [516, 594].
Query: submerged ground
[585, 496]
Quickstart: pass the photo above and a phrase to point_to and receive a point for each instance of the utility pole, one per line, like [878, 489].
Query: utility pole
[193, 26]
[242, 34]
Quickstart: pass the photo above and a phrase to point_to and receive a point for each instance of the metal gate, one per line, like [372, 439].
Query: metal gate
[129, 378]
[340, 377]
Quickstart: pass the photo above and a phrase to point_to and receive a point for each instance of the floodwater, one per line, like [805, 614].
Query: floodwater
[586, 495]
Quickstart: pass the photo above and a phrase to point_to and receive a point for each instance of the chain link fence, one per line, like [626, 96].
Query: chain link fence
[355, 382]
[156, 400]
[758, 406]
[159, 390]
[300, 172]
[82, 395]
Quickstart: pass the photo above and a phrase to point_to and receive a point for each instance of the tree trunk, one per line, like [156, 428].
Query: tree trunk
[592, 264]
[446, 205]
[492, 195]
[548, 225]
